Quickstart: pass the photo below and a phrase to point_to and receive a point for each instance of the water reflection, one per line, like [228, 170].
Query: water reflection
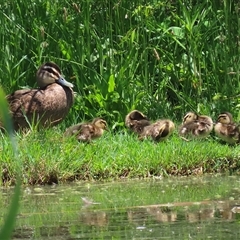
[162, 214]
[91, 218]
[164, 209]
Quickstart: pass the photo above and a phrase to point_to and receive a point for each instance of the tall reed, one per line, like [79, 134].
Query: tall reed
[9, 220]
[162, 57]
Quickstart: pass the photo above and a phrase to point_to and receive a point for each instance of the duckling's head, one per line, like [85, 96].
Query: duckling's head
[50, 73]
[137, 115]
[190, 117]
[100, 123]
[225, 118]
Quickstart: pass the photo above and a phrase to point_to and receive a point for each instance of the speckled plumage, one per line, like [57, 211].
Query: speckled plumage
[196, 126]
[226, 129]
[159, 130]
[136, 121]
[86, 132]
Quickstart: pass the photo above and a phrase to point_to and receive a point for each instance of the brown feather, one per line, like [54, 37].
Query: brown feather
[136, 121]
[48, 106]
[158, 131]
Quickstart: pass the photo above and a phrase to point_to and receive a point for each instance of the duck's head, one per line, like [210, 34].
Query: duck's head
[50, 73]
[100, 123]
[189, 117]
[225, 118]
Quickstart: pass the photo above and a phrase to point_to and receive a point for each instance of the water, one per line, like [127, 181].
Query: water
[173, 208]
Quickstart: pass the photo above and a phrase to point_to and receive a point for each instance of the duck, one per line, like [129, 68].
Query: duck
[196, 126]
[136, 121]
[45, 106]
[158, 131]
[226, 129]
[86, 132]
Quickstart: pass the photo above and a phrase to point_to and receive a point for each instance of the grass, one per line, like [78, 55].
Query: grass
[47, 157]
[9, 220]
[155, 57]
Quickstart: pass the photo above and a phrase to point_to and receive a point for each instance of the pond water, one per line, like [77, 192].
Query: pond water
[170, 208]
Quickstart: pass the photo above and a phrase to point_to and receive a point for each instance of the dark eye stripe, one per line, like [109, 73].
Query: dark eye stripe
[53, 66]
[222, 117]
[52, 71]
[187, 116]
[103, 122]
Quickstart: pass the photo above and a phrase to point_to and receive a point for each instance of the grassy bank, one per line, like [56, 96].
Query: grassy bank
[48, 158]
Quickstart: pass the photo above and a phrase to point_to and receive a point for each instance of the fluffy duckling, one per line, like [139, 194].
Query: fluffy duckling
[158, 131]
[194, 125]
[136, 121]
[46, 106]
[226, 129]
[86, 132]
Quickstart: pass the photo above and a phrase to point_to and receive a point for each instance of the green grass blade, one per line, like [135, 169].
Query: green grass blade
[8, 226]
[6, 119]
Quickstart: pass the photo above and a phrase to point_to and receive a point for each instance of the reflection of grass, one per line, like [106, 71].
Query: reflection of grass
[8, 226]
[47, 157]
[60, 211]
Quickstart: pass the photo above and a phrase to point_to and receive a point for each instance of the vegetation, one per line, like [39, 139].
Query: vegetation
[162, 57]
[10, 218]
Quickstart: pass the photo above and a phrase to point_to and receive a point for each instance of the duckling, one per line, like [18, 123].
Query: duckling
[226, 129]
[194, 125]
[86, 132]
[137, 126]
[136, 121]
[158, 131]
[46, 106]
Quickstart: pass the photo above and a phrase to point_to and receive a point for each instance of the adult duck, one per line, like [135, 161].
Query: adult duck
[45, 106]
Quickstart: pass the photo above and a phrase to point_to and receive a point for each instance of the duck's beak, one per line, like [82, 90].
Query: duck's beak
[63, 82]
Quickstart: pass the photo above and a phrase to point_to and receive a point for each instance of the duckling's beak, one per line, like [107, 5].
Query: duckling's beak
[63, 82]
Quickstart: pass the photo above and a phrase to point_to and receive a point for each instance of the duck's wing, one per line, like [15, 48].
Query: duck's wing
[73, 130]
[46, 107]
[188, 128]
[161, 130]
[21, 100]
[86, 133]
[138, 126]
